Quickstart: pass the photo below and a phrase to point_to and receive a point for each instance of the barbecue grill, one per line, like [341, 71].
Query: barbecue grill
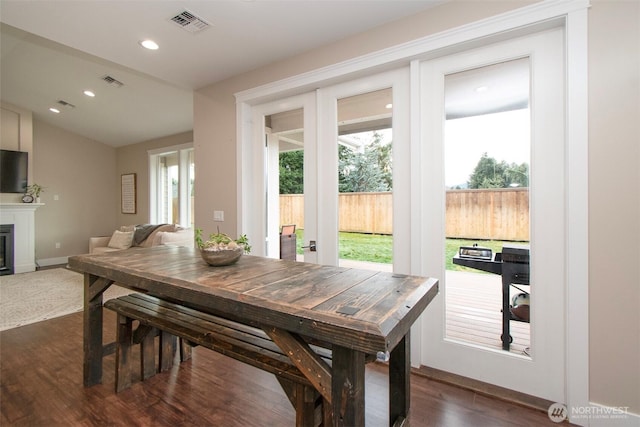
[512, 264]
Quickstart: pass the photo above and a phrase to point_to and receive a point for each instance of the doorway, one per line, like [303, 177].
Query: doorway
[537, 161]
[539, 18]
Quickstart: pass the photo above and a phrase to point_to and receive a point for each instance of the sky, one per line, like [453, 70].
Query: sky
[503, 136]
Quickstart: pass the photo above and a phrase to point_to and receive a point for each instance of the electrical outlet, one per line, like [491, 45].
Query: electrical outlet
[57, 245]
[218, 215]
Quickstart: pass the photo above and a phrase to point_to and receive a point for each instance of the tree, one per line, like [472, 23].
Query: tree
[358, 172]
[292, 172]
[367, 171]
[489, 173]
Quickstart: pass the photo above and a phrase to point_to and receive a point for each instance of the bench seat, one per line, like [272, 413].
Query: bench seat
[242, 342]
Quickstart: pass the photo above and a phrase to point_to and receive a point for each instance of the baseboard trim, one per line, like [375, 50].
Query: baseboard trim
[483, 388]
[607, 416]
[52, 261]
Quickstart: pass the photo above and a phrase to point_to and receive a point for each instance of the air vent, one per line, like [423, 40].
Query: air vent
[65, 104]
[190, 22]
[112, 82]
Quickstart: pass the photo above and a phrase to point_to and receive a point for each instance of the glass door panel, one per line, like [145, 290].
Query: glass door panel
[365, 180]
[493, 175]
[285, 144]
[487, 149]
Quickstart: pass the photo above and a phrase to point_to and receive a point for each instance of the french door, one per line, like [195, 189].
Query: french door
[538, 163]
[312, 127]
[314, 122]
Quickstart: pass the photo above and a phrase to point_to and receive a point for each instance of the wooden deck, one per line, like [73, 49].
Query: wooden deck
[474, 304]
[474, 311]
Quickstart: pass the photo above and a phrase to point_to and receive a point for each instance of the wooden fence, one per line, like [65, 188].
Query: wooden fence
[500, 214]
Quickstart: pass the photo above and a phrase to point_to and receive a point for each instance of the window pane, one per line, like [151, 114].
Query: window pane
[487, 158]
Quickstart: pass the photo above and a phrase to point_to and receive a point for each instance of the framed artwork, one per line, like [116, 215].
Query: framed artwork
[128, 193]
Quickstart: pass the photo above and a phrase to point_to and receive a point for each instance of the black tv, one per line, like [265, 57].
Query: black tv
[13, 171]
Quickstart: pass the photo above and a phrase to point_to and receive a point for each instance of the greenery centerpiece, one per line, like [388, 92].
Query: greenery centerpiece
[34, 190]
[220, 249]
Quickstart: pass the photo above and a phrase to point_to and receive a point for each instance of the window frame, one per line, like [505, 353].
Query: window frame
[186, 210]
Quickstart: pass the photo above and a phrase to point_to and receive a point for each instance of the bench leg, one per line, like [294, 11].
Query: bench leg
[123, 352]
[168, 344]
[185, 350]
[307, 401]
[306, 398]
[148, 355]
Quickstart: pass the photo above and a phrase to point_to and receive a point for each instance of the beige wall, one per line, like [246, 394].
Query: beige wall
[80, 172]
[613, 142]
[16, 133]
[85, 176]
[614, 208]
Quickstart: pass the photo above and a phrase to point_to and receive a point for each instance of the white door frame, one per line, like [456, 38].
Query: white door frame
[327, 179]
[255, 188]
[542, 374]
[573, 16]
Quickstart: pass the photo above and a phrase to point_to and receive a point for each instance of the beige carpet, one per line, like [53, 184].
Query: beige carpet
[32, 297]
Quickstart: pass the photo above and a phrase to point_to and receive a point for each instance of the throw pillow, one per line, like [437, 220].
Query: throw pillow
[121, 240]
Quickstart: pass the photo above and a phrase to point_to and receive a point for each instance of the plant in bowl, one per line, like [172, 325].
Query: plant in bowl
[34, 190]
[220, 249]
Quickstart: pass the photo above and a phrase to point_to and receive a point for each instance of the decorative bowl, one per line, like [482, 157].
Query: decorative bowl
[222, 257]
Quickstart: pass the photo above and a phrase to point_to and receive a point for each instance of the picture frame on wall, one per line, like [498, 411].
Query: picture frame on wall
[128, 193]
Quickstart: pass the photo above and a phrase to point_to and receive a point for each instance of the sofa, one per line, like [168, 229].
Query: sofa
[142, 235]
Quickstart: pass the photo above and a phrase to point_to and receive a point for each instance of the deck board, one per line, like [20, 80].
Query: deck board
[474, 304]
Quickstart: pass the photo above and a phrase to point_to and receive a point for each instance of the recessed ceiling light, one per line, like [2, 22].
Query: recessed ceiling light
[149, 44]
[89, 93]
[54, 110]
[482, 89]
[388, 106]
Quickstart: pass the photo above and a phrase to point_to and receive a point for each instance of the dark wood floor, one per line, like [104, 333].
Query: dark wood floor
[41, 385]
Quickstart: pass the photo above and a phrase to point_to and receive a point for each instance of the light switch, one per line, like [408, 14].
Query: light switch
[218, 215]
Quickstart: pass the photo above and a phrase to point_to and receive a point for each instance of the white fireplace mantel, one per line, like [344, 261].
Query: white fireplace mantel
[22, 216]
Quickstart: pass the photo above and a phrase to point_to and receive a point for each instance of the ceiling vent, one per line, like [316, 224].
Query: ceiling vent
[112, 82]
[190, 22]
[65, 104]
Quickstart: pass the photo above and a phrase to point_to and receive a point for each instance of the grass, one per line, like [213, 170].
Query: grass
[378, 248]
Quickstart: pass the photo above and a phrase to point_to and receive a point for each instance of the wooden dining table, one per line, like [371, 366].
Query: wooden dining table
[357, 313]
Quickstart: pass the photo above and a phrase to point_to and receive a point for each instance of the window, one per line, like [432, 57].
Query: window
[171, 178]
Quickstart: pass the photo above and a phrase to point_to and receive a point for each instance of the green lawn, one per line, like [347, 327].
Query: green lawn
[378, 248]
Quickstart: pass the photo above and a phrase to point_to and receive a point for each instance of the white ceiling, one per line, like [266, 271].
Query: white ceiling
[54, 50]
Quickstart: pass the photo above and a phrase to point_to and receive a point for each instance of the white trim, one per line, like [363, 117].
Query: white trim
[420, 48]
[577, 211]
[574, 15]
[45, 262]
[601, 416]
[416, 196]
[183, 160]
[170, 149]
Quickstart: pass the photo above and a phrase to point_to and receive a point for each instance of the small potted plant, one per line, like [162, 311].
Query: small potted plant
[34, 190]
[220, 249]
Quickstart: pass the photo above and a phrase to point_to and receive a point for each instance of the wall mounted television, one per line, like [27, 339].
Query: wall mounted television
[13, 171]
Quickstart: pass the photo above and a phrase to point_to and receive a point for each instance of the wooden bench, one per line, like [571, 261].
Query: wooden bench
[244, 343]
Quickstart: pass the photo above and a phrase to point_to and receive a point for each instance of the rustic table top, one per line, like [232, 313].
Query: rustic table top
[359, 309]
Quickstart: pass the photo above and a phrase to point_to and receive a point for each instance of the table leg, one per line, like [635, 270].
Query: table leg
[347, 387]
[92, 339]
[400, 382]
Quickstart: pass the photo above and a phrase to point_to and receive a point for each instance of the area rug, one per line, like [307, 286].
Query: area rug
[27, 298]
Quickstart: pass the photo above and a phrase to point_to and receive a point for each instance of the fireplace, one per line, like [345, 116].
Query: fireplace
[6, 249]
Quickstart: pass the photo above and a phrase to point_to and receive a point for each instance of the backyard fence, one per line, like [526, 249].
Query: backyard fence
[499, 214]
